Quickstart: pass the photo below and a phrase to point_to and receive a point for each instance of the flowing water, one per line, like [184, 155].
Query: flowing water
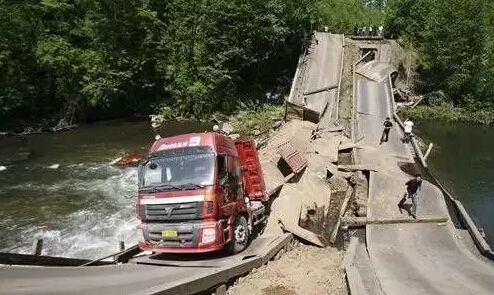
[463, 160]
[69, 193]
[85, 206]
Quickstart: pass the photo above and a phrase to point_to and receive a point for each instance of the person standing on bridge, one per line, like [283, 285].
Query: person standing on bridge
[413, 186]
[387, 128]
[408, 125]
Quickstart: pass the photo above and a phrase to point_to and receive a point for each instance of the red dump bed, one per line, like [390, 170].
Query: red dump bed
[254, 185]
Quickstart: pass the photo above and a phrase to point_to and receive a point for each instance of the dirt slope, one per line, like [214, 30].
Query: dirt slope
[306, 270]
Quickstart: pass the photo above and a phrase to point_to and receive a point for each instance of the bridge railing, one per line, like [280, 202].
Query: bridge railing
[465, 218]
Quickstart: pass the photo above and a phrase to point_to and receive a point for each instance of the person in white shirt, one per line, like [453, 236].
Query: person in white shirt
[408, 130]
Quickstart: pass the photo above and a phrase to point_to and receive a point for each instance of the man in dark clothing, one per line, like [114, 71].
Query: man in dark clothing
[412, 187]
[387, 127]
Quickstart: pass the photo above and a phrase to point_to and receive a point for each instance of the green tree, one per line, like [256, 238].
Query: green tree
[452, 44]
[85, 59]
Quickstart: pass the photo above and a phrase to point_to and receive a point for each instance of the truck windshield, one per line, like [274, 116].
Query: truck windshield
[179, 171]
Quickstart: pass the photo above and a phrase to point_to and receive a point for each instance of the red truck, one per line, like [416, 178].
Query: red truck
[200, 192]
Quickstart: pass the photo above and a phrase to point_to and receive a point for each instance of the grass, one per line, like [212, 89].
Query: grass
[448, 113]
[249, 121]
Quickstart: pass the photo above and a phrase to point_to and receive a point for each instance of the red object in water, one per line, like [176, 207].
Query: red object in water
[131, 159]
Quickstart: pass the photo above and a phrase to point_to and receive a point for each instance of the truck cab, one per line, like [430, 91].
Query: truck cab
[196, 194]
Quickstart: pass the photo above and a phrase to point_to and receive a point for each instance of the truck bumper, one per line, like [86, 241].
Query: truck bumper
[194, 237]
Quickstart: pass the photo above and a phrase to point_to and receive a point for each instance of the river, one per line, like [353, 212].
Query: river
[85, 206]
[69, 194]
[463, 160]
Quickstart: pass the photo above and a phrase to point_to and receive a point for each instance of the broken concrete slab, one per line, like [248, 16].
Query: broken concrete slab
[362, 221]
[327, 148]
[361, 193]
[285, 215]
[355, 282]
[334, 129]
[350, 253]
[346, 175]
[346, 146]
[337, 183]
[314, 189]
[332, 169]
[344, 205]
[362, 211]
[273, 178]
[358, 167]
[303, 234]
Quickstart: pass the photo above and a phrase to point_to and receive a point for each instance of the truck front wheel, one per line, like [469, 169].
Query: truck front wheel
[241, 235]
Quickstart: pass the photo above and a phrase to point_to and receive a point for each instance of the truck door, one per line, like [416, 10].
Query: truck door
[229, 182]
[237, 180]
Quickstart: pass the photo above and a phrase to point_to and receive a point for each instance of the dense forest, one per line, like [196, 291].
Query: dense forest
[454, 42]
[86, 60]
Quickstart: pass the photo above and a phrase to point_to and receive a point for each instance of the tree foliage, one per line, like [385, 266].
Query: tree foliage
[455, 41]
[344, 15]
[94, 59]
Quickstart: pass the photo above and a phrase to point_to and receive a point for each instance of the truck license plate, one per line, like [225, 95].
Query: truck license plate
[169, 234]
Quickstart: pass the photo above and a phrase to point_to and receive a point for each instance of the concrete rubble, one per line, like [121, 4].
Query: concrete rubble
[304, 204]
[310, 191]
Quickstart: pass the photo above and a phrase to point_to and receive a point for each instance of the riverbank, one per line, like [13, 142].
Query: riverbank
[448, 113]
[257, 120]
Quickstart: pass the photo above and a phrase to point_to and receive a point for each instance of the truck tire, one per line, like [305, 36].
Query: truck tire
[241, 235]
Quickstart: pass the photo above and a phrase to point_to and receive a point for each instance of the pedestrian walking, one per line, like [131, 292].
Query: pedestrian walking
[387, 127]
[408, 125]
[412, 187]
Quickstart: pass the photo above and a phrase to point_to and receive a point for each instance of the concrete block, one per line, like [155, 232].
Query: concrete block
[350, 253]
[221, 290]
[337, 183]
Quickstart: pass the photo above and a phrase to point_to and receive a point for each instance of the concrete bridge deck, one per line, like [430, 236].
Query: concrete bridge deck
[410, 259]
[321, 68]
[145, 275]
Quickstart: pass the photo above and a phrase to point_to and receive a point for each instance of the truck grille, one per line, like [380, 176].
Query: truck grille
[171, 212]
[185, 237]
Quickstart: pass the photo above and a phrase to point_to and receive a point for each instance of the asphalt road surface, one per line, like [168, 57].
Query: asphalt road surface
[426, 258]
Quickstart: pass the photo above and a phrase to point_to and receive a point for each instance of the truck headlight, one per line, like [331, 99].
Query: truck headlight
[208, 235]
